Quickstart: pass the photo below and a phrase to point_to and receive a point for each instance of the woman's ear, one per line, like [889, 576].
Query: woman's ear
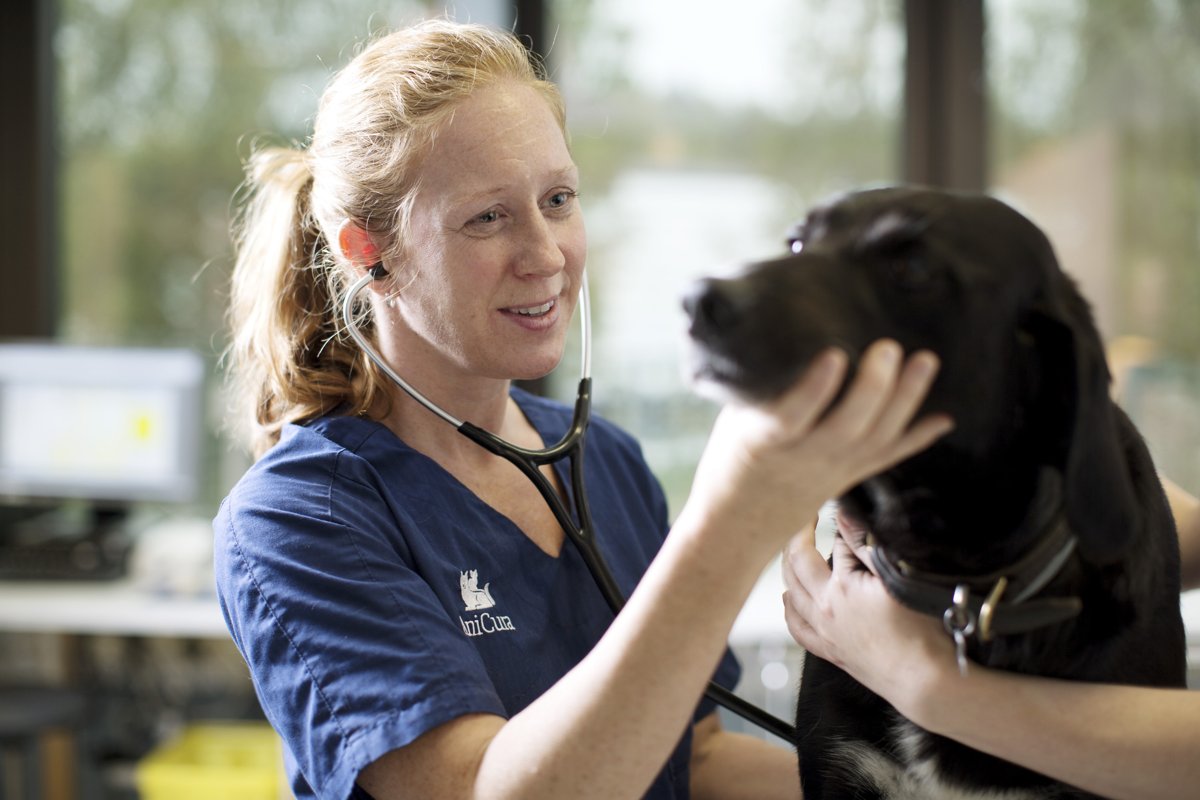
[357, 246]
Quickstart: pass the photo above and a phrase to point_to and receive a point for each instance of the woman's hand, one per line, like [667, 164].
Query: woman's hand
[844, 614]
[768, 468]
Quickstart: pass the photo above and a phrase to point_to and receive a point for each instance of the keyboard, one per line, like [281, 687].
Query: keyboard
[94, 556]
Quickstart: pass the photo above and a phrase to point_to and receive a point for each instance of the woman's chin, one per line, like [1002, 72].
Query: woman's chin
[535, 374]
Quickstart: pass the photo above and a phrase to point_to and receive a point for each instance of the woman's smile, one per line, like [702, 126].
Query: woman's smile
[535, 317]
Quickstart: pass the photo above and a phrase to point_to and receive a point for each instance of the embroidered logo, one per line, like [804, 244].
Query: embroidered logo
[476, 599]
[473, 597]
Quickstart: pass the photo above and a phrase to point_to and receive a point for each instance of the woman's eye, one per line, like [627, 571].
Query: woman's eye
[487, 216]
[561, 199]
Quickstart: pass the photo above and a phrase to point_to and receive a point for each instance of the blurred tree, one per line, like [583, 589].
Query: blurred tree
[1139, 70]
[1126, 71]
[160, 102]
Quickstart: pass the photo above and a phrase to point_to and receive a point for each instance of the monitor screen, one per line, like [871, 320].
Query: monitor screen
[121, 424]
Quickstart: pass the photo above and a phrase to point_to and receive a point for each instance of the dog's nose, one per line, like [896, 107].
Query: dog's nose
[712, 305]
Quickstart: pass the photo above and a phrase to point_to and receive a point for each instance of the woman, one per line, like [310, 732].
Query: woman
[1124, 742]
[413, 624]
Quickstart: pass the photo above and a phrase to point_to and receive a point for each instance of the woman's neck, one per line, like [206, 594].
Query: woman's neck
[488, 407]
[482, 400]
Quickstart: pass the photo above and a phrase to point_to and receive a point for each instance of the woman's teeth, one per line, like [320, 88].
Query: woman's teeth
[535, 311]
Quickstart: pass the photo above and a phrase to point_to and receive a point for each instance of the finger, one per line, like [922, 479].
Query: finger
[916, 378]
[878, 371]
[799, 407]
[796, 598]
[791, 583]
[798, 625]
[793, 412]
[802, 554]
[808, 568]
[856, 537]
[849, 525]
[805, 538]
[842, 560]
[865, 553]
[921, 435]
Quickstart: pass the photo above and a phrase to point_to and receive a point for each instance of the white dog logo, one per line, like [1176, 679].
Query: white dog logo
[473, 597]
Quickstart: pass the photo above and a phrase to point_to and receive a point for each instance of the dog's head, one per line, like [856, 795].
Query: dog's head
[1023, 369]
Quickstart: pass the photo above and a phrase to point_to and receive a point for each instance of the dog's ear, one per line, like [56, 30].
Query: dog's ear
[1099, 496]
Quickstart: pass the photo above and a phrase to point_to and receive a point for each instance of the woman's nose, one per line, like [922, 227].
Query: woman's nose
[542, 253]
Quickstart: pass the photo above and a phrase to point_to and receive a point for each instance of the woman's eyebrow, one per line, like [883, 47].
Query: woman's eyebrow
[567, 174]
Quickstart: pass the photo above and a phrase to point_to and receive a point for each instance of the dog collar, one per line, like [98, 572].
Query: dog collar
[999, 603]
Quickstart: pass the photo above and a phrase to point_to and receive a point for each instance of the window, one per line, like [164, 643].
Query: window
[701, 135]
[1095, 124]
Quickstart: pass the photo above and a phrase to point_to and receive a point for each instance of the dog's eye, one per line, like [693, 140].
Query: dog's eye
[910, 270]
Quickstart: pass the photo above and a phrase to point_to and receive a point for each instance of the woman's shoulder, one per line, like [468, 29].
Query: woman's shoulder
[313, 454]
[322, 478]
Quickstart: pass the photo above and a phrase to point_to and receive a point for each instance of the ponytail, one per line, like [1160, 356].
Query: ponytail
[286, 359]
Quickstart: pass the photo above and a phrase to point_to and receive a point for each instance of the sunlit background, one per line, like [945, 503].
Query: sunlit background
[700, 133]
[702, 129]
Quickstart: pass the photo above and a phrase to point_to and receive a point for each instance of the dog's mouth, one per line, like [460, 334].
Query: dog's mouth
[746, 343]
[754, 368]
[708, 371]
[724, 376]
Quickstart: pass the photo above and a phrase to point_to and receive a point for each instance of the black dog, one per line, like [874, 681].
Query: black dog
[1037, 530]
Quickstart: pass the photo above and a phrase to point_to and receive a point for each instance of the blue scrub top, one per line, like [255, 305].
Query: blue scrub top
[374, 597]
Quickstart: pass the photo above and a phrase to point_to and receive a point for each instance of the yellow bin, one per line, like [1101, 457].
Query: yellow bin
[227, 760]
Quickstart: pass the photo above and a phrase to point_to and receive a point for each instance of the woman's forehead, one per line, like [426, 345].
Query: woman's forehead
[501, 134]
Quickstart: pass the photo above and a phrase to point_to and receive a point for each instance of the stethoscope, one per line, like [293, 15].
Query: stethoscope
[582, 531]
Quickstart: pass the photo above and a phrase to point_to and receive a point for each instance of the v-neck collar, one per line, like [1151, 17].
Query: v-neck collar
[551, 423]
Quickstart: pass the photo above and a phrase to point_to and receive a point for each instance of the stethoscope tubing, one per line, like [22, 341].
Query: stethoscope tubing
[580, 528]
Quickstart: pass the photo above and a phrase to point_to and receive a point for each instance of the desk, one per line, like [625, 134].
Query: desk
[120, 608]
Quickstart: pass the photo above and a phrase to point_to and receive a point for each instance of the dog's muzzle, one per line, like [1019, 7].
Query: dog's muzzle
[715, 308]
[739, 342]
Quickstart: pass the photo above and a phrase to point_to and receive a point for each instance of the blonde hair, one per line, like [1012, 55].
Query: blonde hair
[289, 360]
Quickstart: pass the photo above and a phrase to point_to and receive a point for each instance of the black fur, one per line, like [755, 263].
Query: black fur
[1024, 376]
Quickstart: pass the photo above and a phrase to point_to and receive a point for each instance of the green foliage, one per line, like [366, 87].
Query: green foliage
[1126, 70]
[161, 101]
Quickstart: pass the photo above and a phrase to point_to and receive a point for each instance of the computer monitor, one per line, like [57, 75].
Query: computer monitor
[101, 424]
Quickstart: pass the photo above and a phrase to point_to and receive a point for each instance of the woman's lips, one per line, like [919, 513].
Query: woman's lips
[536, 317]
[532, 311]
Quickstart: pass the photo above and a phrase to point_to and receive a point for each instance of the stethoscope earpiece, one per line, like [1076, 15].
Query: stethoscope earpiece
[377, 271]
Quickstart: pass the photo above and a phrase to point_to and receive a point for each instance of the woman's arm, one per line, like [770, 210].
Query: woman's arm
[606, 728]
[1118, 741]
[1124, 742]
[736, 766]
[1186, 510]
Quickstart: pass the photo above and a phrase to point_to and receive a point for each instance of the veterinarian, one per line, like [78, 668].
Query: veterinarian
[1124, 742]
[414, 623]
